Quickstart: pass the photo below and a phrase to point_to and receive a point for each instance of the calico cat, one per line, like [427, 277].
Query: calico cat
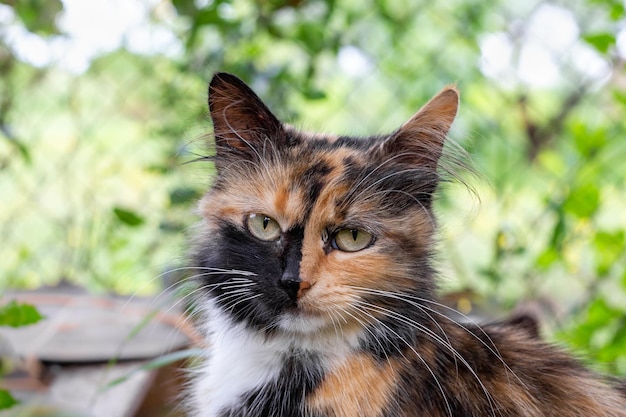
[317, 286]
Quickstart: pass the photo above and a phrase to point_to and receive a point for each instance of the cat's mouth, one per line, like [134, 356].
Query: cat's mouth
[301, 320]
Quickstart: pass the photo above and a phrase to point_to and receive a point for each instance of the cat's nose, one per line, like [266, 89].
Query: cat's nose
[291, 284]
[294, 286]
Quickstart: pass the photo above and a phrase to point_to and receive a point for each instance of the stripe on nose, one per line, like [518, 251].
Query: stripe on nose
[292, 255]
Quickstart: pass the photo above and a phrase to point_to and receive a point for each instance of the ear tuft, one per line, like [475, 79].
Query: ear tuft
[420, 140]
[241, 121]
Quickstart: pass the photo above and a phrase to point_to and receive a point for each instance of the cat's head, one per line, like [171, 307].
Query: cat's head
[303, 232]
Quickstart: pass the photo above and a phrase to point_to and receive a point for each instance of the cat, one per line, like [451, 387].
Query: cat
[317, 289]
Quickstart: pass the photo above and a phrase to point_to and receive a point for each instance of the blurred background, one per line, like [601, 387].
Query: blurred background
[103, 104]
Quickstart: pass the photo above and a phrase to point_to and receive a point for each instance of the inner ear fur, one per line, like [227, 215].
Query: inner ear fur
[241, 121]
[420, 140]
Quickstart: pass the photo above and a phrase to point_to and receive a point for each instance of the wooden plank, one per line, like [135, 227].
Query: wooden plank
[73, 345]
[80, 391]
[86, 328]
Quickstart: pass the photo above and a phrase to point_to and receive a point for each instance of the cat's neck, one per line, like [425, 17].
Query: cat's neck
[245, 360]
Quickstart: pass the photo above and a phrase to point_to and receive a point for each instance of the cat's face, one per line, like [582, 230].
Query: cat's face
[303, 231]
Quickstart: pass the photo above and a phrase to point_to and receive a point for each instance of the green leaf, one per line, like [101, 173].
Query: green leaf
[601, 41]
[599, 313]
[619, 96]
[15, 314]
[314, 94]
[39, 16]
[583, 201]
[183, 195]
[559, 231]
[128, 217]
[617, 11]
[614, 7]
[589, 141]
[312, 36]
[547, 258]
[7, 400]
[609, 246]
[185, 7]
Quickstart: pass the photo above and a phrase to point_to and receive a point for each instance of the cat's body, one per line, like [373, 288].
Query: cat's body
[318, 291]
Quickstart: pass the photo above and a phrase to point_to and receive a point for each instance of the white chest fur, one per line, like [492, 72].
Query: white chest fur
[241, 361]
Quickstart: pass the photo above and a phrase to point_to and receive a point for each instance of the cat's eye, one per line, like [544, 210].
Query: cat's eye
[263, 227]
[351, 240]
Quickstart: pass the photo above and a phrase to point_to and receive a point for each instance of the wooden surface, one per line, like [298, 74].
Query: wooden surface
[86, 328]
[80, 391]
[65, 364]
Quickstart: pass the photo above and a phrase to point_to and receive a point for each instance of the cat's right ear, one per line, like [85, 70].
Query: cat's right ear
[420, 140]
[241, 121]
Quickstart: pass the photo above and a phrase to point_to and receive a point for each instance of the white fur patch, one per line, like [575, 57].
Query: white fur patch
[240, 360]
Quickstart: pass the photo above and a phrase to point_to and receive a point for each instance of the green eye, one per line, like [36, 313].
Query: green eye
[351, 240]
[263, 227]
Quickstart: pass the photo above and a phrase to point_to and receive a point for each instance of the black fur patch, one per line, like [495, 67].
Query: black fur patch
[313, 181]
[273, 263]
[300, 375]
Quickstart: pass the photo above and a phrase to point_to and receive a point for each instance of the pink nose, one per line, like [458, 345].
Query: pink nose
[304, 285]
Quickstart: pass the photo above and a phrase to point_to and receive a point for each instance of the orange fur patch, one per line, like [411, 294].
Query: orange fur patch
[361, 387]
[281, 198]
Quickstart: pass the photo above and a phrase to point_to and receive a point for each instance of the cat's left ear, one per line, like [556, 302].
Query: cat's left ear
[241, 121]
[420, 140]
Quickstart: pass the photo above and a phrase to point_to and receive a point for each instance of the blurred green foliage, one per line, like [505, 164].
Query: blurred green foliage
[14, 314]
[95, 188]
[6, 400]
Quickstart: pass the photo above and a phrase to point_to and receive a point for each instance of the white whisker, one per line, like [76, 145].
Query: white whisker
[416, 302]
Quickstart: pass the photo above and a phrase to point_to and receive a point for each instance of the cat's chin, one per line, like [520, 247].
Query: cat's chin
[301, 322]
